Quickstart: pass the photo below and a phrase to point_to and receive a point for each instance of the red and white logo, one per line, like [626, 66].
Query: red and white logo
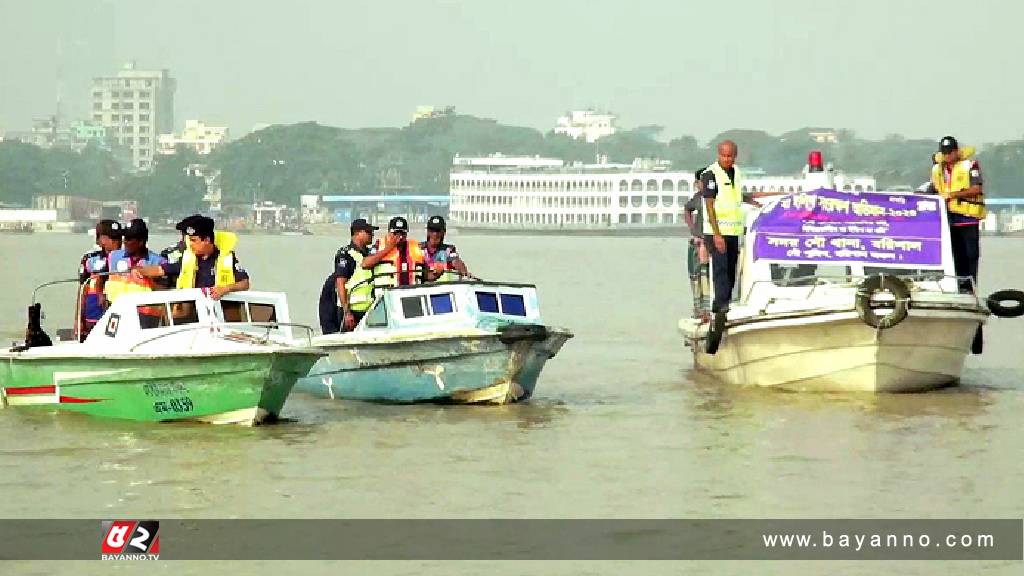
[130, 540]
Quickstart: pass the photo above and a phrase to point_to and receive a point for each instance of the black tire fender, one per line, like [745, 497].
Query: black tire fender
[995, 303]
[878, 283]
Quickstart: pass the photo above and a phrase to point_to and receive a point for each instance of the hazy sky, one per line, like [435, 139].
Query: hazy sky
[920, 68]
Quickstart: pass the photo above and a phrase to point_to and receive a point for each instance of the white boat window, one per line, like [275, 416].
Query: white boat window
[234, 311]
[412, 307]
[804, 274]
[184, 312]
[441, 303]
[152, 316]
[262, 312]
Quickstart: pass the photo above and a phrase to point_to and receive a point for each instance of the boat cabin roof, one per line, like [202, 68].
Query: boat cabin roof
[463, 303]
[137, 316]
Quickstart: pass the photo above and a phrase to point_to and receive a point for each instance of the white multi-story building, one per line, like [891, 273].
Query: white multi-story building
[585, 124]
[544, 194]
[135, 106]
[197, 136]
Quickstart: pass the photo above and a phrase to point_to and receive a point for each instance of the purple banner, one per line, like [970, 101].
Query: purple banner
[870, 227]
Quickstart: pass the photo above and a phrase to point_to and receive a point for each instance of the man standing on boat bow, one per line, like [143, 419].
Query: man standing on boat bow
[956, 177]
[723, 221]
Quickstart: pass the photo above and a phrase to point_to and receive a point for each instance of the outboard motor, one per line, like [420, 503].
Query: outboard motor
[34, 334]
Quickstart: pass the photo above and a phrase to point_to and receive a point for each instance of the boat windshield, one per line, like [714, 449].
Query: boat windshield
[803, 274]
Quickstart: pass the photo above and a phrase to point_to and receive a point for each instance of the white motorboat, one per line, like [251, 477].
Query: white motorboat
[845, 291]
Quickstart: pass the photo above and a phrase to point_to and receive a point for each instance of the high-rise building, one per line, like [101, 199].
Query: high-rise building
[135, 106]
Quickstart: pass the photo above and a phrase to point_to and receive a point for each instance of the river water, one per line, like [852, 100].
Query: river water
[620, 425]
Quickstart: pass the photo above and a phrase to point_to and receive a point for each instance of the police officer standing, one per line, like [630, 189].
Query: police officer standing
[441, 257]
[352, 291]
[723, 222]
[957, 179]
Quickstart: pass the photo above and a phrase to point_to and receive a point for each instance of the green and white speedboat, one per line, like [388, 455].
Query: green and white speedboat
[168, 355]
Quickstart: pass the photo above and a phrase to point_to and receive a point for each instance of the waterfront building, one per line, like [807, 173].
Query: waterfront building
[530, 193]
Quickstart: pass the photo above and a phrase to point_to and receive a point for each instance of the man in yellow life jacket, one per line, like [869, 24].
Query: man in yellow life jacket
[400, 261]
[209, 262]
[723, 221]
[348, 293]
[957, 179]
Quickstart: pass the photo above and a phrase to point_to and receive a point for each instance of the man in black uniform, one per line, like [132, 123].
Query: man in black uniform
[336, 312]
[201, 243]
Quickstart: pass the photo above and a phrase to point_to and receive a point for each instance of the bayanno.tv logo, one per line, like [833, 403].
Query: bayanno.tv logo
[130, 540]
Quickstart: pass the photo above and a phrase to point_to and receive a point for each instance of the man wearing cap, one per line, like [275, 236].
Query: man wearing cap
[210, 261]
[400, 262]
[957, 179]
[348, 292]
[122, 281]
[442, 258]
[174, 253]
[92, 273]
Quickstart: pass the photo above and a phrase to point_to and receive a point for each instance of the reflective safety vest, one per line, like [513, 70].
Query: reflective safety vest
[397, 269]
[359, 287]
[440, 257]
[728, 203]
[959, 179]
[121, 281]
[225, 266]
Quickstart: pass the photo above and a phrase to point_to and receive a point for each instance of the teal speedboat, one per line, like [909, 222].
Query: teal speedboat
[466, 342]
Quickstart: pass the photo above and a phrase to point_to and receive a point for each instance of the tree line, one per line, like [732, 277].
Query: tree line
[282, 162]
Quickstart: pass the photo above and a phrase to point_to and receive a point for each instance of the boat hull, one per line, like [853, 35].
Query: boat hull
[245, 388]
[839, 353]
[467, 369]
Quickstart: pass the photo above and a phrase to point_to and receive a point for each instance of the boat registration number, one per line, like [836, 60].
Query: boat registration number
[182, 404]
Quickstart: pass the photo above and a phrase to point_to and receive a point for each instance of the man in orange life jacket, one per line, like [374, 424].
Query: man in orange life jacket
[400, 262]
[958, 180]
[135, 253]
[91, 272]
